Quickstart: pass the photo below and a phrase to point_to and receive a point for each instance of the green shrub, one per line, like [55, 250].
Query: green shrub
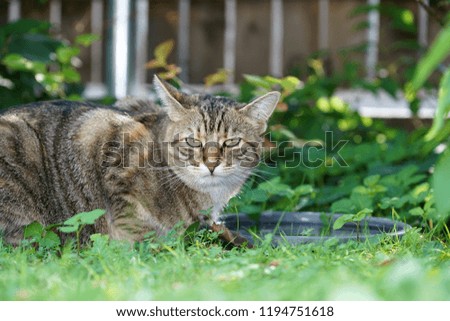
[34, 65]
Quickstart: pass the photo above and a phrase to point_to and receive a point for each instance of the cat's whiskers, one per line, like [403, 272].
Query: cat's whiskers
[170, 180]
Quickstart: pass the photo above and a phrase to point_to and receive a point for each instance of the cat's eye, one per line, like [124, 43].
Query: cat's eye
[232, 142]
[193, 142]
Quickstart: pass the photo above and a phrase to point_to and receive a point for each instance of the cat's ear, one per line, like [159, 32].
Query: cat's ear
[262, 108]
[170, 98]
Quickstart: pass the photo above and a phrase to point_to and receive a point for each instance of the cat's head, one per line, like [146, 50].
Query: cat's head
[213, 141]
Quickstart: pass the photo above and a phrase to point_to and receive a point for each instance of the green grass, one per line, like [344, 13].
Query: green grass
[413, 268]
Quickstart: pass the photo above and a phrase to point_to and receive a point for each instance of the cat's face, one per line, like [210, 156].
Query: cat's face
[213, 141]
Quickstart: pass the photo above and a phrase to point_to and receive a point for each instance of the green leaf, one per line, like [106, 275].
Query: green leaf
[251, 209]
[162, 52]
[361, 201]
[65, 54]
[86, 218]
[87, 39]
[362, 214]
[99, 240]
[371, 181]
[443, 107]
[343, 206]
[39, 67]
[272, 80]
[275, 187]
[303, 190]
[257, 81]
[23, 26]
[416, 211]
[441, 179]
[34, 47]
[69, 229]
[71, 75]
[50, 240]
[33, 230]
[219, 77]
[17, 62]
[90, 217]
[290, 83]
[394, 202]
[258, 195]
[438, 51]
[342, 220]
[419, 193]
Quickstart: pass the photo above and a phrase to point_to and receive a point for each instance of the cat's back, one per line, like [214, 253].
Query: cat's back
[54, 113]
[53, 121]
[25, 129]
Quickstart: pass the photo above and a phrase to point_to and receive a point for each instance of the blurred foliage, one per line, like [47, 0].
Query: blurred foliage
[219, 77]
[34, 65]
[165, 70]
[376, 168]
[439, 50]
[323, 156]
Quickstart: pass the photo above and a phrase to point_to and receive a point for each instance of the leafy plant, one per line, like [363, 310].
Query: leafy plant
[76, 223]
[35, 65]
[441, 180]
[160, 62]
[43, 237]
[439, 50]
[219, 77]
[355, 218]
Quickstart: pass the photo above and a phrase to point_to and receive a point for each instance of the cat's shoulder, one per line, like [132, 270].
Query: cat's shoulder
[137, 105]
[67, 108]
[81, 114]
[63, 107]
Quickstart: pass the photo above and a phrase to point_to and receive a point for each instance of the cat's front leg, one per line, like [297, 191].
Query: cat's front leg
[131, 221]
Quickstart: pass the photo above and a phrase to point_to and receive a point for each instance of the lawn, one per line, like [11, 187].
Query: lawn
[413, 268]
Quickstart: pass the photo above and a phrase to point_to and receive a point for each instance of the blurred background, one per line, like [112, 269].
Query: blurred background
[371, 39]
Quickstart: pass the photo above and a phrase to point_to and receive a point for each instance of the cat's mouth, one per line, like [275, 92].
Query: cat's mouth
[213, 179]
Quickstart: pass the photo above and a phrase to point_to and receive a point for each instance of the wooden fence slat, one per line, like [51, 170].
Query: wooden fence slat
[14, 11]
[55, 14]
[96, 47]
[276, 38]
[422, 35]
[141, 39]
[184, 12]
[229, 50]
[96, 88]
[120, 46]
[323, 24]
[373, 38]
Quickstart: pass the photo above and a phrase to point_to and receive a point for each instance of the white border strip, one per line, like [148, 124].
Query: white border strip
[223, 310]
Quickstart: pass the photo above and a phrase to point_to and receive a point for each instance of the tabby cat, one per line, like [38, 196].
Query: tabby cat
[148, 167]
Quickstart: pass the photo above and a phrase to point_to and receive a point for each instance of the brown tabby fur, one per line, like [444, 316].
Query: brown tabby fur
[60, 158]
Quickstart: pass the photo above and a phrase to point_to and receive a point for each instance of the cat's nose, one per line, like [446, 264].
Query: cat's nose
[212, 166]
[211, 156]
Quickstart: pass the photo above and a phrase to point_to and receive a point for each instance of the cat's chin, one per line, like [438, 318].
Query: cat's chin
[202, 180]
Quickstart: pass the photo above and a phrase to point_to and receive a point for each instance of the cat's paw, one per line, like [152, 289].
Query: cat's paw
[230, 238]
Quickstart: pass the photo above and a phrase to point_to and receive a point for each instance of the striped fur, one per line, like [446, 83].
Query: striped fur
[136, 161]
